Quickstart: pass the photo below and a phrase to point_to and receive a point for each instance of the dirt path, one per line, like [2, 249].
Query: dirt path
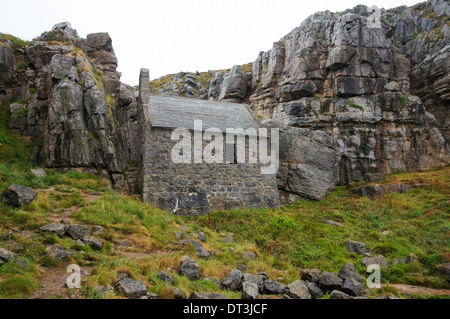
[417, 290]
[53, 285]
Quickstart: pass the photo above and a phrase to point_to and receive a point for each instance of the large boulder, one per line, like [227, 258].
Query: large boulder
[273, 287]
[308, 162]
[256, 279]
[298, 290]
[57, 252]
[190, 268]
[131, 288]
[81, 232]
[234, 86]
[357, 247]
[18, 195]
[233, 280]
[67, 28]
[349, 271]
[250, 290]
[329, 281]
[57, 229]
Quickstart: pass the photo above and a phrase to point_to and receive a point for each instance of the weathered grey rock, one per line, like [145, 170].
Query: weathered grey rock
[79, 232]
[67, 28]
[100, 230]
[190, 268]
[256, 279]
[444, 270]
[124, 243]
[101, 291]
[63, 67]
[311, 275]
[234, 86]
[336, 294]
[234, 280]
[177, 294]
[6, 255]
[58, 229]
[357, 247]
[229, 238]
[94, 242]
[352, 287]
[57, 252]
[308, 165]
[332, 223]
[274, 287]
[314, 290]
[378, 260]
[131, 288]
[349, 271]
[298, 290]
[165, 277]
[250, 290]
[38, 172]
[201, 236]
[17, 122]
[329, 281]
[122, 275]
[18, 195]
[151, 295]
[201, 295]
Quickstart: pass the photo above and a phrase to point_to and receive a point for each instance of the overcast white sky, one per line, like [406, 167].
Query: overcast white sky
[169, 36]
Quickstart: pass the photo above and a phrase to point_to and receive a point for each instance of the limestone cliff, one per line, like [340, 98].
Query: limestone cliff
[357, 100]
[72, 104]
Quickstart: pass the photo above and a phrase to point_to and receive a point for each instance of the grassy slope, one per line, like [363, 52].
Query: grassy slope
[285, 239]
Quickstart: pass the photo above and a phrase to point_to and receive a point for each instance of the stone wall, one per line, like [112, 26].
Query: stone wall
[195, 189]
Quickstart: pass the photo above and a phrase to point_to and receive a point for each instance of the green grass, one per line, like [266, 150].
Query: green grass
[284, 239]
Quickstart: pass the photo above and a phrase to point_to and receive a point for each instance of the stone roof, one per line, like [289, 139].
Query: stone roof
[177, 112]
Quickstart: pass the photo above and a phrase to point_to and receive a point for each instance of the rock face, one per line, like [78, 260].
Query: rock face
[18, 195]
[234, 85]
[74, 103]
[339, 75]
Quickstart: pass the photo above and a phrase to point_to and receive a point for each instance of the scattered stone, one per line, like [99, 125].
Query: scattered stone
[79, 242]
[7, 235]
[263, 275]
[151, 295]
[256, 279]
[234, 280]
[201, 295]
[349, 271]
[215, 280]
[182, 228]
[65, 222]
[201, 236]
[314, 290]
[124, 243]
[411, 258]
[250, 290]
[286, 297]
[18, 195]
[389, 296]
[178, 235]
[332, 223]
[6, 255]
[357, 247]
[190, 268]
[202, 252]
[336, 294]
[100, 230]
[229, 239]
[177, 294]
[22, 263]
[311, 275]
[57, 252]
[79, 232]
[378, 260]
[165, 277]
[58, 229]
[444, 270]
[352, 287]
[298, 290]
[274, 288]
[38, 172]
[249, 255]
[94, 242]
[131, 288]
[329, 281]
[242, 267]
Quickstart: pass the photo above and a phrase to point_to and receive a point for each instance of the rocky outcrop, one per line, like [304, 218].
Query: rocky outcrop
[347, 87]
[73, 103]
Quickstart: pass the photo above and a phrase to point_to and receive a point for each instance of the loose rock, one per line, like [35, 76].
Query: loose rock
[298, 290]
[250, 290]
[131, 288]
[378, 260]
[190, 268]
[329, 281]
[234, 280]
[18, 196]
